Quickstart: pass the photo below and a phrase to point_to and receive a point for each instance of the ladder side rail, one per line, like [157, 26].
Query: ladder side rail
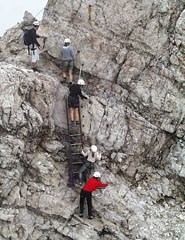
[70, 171]
[79, 110]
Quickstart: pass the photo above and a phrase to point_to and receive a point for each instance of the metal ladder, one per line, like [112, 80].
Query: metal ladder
[75, 140]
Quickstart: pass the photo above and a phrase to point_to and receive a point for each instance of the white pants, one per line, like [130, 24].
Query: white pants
[34, 54]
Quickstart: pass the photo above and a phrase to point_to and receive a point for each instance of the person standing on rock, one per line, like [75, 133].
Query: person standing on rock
[67, 60]
[30, 37]
[73, 100]
[92, 155]
[86, 192]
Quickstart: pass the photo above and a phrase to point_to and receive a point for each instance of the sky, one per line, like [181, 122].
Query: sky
[12, 11]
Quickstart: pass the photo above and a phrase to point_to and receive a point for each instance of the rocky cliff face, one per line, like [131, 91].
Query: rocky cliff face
[133, 54]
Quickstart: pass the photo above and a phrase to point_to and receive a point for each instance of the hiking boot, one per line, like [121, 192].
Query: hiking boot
[72, 123]
[35, 69]
[91, 217]
[64, 80]
[77, 123]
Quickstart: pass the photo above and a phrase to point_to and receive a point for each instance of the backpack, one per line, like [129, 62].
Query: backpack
[27, 39]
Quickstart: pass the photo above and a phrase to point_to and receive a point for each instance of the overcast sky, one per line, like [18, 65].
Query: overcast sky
[12, 11]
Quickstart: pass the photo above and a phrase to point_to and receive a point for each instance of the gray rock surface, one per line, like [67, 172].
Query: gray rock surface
[133, 54]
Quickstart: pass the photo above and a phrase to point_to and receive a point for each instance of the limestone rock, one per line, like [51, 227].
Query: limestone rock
[133, 56]
[52, 146]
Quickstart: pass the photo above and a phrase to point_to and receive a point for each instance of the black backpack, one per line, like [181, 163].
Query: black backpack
[27, 38]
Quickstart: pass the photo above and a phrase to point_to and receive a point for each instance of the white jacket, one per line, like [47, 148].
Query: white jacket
[90, 158]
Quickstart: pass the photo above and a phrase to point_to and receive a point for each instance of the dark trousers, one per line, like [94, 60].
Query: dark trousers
[88, 195]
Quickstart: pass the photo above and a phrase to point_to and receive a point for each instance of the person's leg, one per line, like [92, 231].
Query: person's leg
[82, 199]
[76, 114]
[71, 111]
[89, 165]
[82, 169]
[70, 67]
[35, 58]
[64, 75]
[65, 66]
[70, 75]
[89, 203]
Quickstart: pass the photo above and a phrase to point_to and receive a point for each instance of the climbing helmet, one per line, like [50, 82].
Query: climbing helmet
[81, 82]
[36, 23]
[97, 174]
[94, 148]
[67, 40]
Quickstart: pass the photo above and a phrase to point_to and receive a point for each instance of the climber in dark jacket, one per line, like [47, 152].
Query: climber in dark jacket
[34, 35]
[34, 45]
[73, 100]
[91, 185]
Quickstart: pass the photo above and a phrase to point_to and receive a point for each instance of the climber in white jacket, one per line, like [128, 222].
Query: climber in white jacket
[92, 155]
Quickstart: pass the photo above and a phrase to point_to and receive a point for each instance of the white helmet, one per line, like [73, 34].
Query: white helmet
[67, 40]
[97, 175]
[81, 82]
[36, 23]
[94, 148]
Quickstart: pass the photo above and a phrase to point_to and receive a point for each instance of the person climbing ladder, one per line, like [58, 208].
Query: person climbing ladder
[73, 100]
[92, 155]
[67, 60]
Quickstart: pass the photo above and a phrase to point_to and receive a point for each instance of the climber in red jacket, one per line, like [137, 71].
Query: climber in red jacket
[92, 184]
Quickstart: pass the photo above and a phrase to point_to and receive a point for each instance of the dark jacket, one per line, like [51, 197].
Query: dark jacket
[34, 36]
[75, 92]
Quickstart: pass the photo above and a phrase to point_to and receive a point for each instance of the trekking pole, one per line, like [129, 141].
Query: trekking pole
[80, 74]
[44, 42]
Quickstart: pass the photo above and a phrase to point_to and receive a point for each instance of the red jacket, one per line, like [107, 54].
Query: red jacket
[92, 184]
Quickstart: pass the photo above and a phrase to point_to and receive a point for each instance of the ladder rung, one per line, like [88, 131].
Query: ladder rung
[77, 125]
[74, 163]
[75, 135]
[75, 157]
[75, 154]
[76, 144]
